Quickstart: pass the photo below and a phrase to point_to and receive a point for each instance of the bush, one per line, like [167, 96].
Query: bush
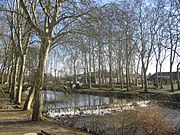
[148, 121]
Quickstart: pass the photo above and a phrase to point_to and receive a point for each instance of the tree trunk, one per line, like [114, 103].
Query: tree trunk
[127, 80]
[110, 59]
[171, 78]
[110, 66]
[161, 81]
[142, 79]
[85, 69]
[14, 79]
[145, 82]
[172, 56]
[100, 73]
[28, 102]
[3, 70]
[39, 76]
[145, 77]
[127, 75]
[100, 55]
[94, 66]
[157, 84]
[89, 66]
[8, 74]
[74, 66]
[20, 79]
[127, 62]
[2, 77]
[178, 83]
[38, 105]
[120, 67]
[122, 77]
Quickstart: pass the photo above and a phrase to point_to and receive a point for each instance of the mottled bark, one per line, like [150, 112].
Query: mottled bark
[20, 80]
[38, 104]
[14, 79]
[178, 82]
[29, 100]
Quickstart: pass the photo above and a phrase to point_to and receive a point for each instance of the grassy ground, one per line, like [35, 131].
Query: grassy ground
[13, 121]
[135, 90]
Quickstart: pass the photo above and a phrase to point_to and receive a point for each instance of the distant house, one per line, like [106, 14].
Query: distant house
[165, 77]
[104, 77]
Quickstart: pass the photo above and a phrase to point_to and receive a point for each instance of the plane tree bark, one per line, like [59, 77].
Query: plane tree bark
[178, 82]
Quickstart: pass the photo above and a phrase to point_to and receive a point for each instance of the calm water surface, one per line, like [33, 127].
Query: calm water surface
[53, 99]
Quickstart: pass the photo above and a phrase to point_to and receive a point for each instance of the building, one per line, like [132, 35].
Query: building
[165, 76]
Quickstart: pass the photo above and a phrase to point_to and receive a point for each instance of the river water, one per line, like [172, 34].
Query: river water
[60, 105]
[59, 100]
[54, 100]
[64, 106]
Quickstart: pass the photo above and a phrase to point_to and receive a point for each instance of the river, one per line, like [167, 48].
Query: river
[87, 107]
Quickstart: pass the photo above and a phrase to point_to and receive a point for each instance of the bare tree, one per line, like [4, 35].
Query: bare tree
[173, 35]
[10, 17]
[23, 38]
[52, 14]
[147, 31]
[4, 51]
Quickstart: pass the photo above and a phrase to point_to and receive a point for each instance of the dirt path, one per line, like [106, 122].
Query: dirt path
[16, 122]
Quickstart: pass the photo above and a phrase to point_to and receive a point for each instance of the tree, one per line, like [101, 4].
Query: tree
[31, 66]
[10, 17]
[147, 31]
[4, 50]
[23, 38]
[55, 21]
[173, 35]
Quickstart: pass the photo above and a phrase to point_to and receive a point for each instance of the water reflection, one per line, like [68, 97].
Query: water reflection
[54, 99]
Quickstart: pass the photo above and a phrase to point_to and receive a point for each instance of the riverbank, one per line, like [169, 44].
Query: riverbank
[150, 119]
[113, 116]
[152, 94]
[14, 121]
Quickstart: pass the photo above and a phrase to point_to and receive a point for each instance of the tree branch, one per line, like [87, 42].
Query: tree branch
[29, 18]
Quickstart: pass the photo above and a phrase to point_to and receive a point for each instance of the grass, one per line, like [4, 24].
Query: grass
[109, 89]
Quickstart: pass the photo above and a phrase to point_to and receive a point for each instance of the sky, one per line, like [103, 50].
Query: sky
[165, 66]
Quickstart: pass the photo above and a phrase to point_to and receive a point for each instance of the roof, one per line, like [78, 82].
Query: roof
[165, 75]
